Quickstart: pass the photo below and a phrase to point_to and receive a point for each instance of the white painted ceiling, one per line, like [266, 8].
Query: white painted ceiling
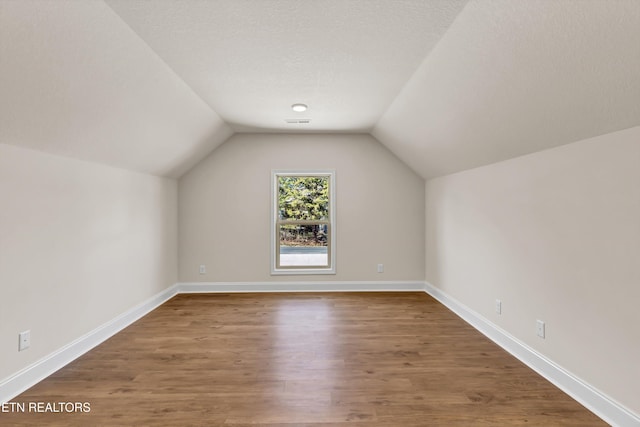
[513, 77]
[76, 81]
[251, 60]
[155, 85]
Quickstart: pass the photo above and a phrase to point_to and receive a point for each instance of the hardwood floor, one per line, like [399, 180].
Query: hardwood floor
[335, 359]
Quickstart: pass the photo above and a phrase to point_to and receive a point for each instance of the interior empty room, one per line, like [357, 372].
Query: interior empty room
[320, 213]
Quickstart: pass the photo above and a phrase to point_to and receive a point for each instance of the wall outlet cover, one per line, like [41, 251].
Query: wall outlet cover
[24, 340]
[540, 328]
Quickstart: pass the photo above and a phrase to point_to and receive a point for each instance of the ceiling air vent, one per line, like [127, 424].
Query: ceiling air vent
[298, 121]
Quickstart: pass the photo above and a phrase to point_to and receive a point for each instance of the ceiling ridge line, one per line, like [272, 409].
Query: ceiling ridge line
[174, 72]
[415, 72]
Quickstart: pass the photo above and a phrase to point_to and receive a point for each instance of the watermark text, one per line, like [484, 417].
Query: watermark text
[43, 407]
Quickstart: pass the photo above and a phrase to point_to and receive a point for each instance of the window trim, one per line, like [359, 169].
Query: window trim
[331, 248]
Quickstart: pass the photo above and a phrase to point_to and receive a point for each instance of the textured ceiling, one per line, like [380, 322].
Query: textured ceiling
[76, 81]
[514, 77]
[251, 60]
[155, 85]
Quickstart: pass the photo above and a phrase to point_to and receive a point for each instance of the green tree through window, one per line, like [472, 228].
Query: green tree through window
[303, 199]
[303, 221]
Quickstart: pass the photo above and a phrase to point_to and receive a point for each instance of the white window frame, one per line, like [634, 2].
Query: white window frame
[331, 248]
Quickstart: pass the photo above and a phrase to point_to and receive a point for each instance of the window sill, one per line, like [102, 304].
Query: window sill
[301, 271]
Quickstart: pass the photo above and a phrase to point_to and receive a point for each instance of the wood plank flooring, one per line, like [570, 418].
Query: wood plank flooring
[305, 359]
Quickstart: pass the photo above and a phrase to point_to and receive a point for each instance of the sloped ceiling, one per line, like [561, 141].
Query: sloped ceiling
[76, 81]
[251, 60]
[514, 77]
[155, 85]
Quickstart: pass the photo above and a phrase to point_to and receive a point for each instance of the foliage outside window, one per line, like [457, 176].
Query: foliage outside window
[303, 237]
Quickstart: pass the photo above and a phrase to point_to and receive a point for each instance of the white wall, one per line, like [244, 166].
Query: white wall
[224, 209]
[80, 243]
[556, 236]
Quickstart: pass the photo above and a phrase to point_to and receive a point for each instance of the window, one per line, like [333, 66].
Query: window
[302, 221]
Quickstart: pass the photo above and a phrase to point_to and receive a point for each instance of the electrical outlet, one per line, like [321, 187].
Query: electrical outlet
[203, 269]
[498, 306]
[540, 328]
[380, 268]
[24, 340]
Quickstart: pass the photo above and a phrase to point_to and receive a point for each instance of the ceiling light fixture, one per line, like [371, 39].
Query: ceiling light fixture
[299, 108]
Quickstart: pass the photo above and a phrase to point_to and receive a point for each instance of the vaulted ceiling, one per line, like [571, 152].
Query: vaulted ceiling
[155, 85]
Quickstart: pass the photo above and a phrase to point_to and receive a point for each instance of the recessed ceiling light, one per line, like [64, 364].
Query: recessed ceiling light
[299, 108]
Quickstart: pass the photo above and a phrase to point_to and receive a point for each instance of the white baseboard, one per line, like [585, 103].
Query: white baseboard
[600, 404]
[597, 402]
[297, 286]
[36, 372]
